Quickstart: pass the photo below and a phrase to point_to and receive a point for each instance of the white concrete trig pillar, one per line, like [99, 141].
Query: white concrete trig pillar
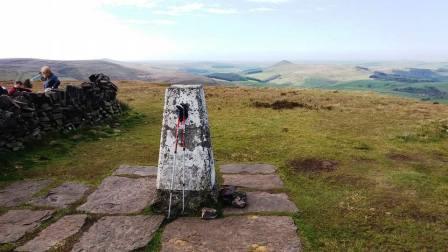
[185, 177]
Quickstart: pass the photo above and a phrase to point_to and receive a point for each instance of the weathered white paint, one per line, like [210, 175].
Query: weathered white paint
[199, 163]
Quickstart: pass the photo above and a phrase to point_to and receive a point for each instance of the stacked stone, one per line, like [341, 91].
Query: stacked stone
[18, 122]
[27, 116]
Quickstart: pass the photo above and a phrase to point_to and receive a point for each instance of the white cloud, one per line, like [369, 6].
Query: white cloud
[181, 9]
[314, 9]
[150, 22]
[134, 3]
[215, 10]
[188, 7]
[269, 1]
[65, 29]
[262, 9]
[177, 10]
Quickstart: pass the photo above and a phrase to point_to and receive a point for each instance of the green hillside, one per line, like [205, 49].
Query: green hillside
[386, 190]
[419, 90]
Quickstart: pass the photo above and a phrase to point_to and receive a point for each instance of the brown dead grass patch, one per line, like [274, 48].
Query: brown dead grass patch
[312, 165]
[401, 157]
[285, 104]
[281, 104]
[350, 180]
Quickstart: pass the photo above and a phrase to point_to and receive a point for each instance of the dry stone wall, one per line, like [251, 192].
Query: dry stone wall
[25, 117]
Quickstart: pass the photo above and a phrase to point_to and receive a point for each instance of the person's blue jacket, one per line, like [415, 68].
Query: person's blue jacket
[3, 91]
[52, 82]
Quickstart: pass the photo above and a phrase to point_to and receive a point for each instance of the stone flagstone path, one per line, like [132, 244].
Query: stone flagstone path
[235, 233]
[55, 234]
[259, 202]
[119, 233]
[21, 192]
[241, 232]
[119, 223]
[254, 181]
[16, 223]
[121, 195]
[142, 171]
[61, 196]
[247, 168]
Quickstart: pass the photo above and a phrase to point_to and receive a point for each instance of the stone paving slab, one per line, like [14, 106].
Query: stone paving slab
[61, 196]
[234, 233]
[258, 202]
[142, 171]
[16, 223]
[261, 182]
[119, 233]
[55, 234]
[121, 195]
[21, 192]
[247, 168]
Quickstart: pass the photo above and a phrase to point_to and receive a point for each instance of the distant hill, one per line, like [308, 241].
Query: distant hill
[162, 73]
[425, 92]
[252, 71]
[223, 65]
[282, 63]
[227, 76]
[75, 70]
[14, 69]
[412, 75]
[193, 70]
[361, 68]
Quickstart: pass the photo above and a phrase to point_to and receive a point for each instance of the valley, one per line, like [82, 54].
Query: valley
[421, 80]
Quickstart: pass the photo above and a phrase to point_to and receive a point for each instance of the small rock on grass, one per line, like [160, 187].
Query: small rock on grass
[76, 137]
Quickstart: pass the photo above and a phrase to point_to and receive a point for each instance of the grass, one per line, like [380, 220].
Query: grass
[370, 85]
[385, 87]
[156, 243]
[388, 191]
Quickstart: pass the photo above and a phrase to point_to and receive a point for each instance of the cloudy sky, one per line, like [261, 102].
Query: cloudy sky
[225, 29]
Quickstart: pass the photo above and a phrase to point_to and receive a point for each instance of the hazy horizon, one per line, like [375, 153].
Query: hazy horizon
[242, 61]
[245, 30]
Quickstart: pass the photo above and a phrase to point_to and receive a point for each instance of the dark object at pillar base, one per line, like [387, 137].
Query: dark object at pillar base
[239, 200]
[209, 213]
[231, 197]
[194, 202]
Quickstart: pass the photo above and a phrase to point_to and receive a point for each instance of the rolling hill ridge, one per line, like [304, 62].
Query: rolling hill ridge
[20, 69]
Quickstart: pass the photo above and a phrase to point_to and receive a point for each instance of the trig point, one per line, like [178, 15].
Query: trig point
[186, 171]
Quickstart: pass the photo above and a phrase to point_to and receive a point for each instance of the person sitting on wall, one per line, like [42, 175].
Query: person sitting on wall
[27, 84]
[51, 81]
[3, 90]
[18, 87]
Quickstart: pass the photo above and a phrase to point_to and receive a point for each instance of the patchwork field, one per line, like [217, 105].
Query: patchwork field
[366, 171]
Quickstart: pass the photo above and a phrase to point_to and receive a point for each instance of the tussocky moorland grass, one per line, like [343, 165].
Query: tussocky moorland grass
[387, 191]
